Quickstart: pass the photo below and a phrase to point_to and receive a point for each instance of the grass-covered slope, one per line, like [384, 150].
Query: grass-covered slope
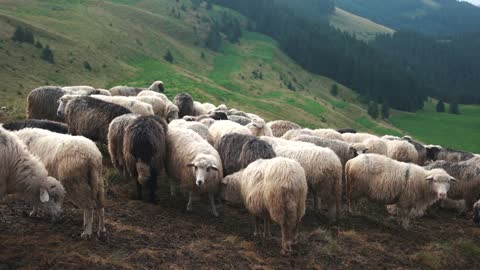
[125, 41]
[361, 27]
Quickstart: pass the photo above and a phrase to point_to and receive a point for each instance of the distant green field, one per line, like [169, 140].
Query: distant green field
[456, 131]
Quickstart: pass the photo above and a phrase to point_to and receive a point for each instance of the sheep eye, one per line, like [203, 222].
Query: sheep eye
[196, 168]
[208, 169]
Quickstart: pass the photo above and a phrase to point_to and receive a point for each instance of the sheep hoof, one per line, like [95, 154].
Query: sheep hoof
[86, 235]
[33, 214]
[215, 213]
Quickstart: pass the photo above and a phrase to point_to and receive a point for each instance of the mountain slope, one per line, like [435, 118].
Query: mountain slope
[361, 27]
[125, 41]
[438, 17]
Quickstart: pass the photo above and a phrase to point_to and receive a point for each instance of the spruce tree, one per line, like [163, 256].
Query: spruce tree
[385, 110]
[28, 36]
[168, 57]
[47, 55]
[373, 109]
[440, 106]
[334, 90]
[19, 34]
[453, 109]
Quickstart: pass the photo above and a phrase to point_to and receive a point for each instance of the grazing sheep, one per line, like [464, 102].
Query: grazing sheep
[326, 133]
[421, 150]
[199, 128]
[135, 106]
[144, 151]
[401, 151]
[186, 149]
[89, 117]
[274, 189]
[438, 153]
[258, 127]
[23, 174]
[357, 137]
[198, 109]
[35, 123]
[237, 112]
[42, 102]
[239, 119]
[221, 128]
[468, 185]
[156, 86]
[297, 132]
[230, 147]
[323, 170]
[386, 181]
[184, 102]
[376, 146]
[209, 107]
[170, 111]
[280, 127]
[116, 131]
[77, 163]
[346, 130]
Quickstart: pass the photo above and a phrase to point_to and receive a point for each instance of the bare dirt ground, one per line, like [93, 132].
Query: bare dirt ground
[165, 236]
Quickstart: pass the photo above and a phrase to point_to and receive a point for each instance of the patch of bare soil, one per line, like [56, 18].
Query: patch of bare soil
[165, 236]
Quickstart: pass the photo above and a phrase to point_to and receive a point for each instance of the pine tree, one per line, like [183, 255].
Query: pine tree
[28, 36]
[19, 34]
[47, 55]
[385, 110]
[440, 106]
[373, 109]
[38, 44]
[334, 90]
[214, 40]
[168, 57]
[453, 109]
[87, 66]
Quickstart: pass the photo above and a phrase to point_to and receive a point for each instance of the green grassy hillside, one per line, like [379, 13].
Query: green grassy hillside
[458, 131]
[125, 41]
[363, 28]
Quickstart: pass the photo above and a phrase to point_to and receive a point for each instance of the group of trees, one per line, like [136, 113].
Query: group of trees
[453, 109]
[321, 49]
[25, 35]
[374, 112]
[229, 26]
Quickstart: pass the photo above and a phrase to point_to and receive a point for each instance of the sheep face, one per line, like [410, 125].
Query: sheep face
[432, 152]
[51, 198]
[440, 183]
[476, 213]
[358, 149]
[202, 170]
[230, 189]
[61, 107]
[172, 113]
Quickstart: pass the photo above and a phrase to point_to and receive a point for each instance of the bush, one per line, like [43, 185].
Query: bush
[38, 44]
[334, 90]
[47, 55]
[385, 110]
[19, 34]
[440, 106]
[214, 39]
[87, 66]
[373, 109]
[453, 109]
[168, 57]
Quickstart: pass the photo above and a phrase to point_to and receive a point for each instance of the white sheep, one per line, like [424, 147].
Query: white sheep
[77, 163]
[376, 146]
[209, 107]
[258, 127]
[194, 163]
[156, 86]
[23, 174]
[402, 151]
[198, 109]
[327, 133]
[357, 137]
[198, 127]
[323, 170]
[170, 111]
[135, 106]
[223, 127]
[271, 189]
[386, 181]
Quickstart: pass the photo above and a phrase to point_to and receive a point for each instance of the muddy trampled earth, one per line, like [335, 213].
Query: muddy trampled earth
[165, 236]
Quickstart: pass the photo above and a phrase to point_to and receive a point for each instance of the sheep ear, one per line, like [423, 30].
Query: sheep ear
[213, 167]
[190, 165]
[430, 178]
[224, 181]
[453, 179]
[44, 197]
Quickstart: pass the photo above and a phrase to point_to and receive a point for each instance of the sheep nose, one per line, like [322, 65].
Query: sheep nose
[442, 195]
[200, 182]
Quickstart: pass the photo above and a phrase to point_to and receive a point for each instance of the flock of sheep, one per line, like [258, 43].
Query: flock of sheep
[223, 153]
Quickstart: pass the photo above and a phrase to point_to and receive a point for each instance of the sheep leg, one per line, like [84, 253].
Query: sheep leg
[102, 231]
[211, 197]
[286, 240]
[316, 201]
[266, 227]
[332, 211]
[152, 186]
[172, 188]
[256, 223]
[34, 212]
[87, 232]
[139, 191]
[189, 204]
[404, 217]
